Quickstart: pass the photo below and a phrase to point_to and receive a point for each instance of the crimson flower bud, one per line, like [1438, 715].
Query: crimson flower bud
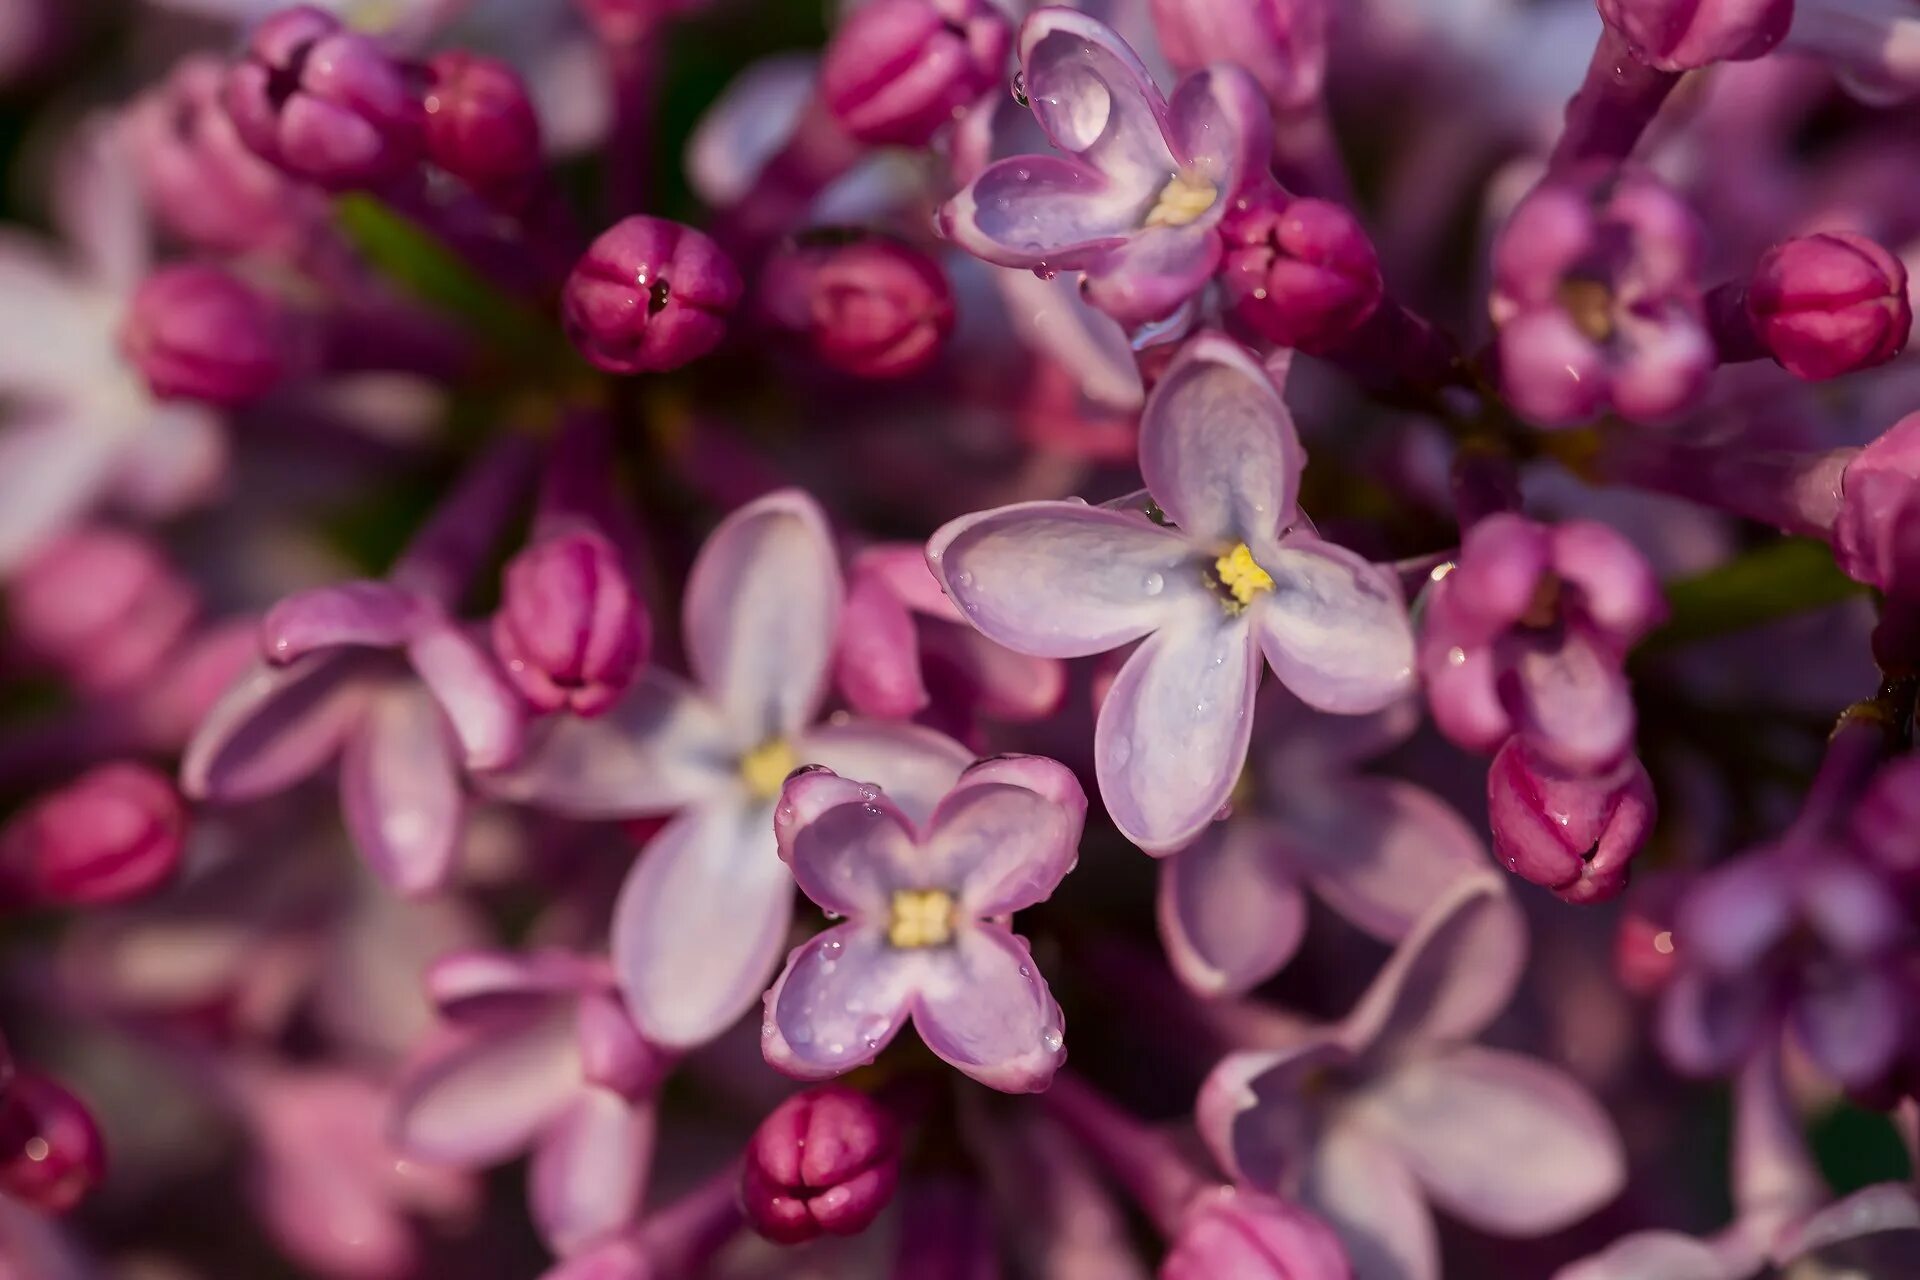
[649, 295]
[1681, 35]
[1248, 1236]
[1831, 303]
[899, 69]
[102, 606]
[51, 1155]
[1300, 273]
[1574, 834]
[325, 102]
[198, 332]
[872, 306]
[571, 631]
[481, 125]
[825, 1160]
[116, 833]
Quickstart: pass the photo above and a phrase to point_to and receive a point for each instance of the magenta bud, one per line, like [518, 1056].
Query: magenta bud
[868, 305]
[1575, 835]
[116, 833]
[1300, 273]
[325, 102]
[51, 1155]
[897, 70]
[1831, 303]
[198, 332]
[1283, 43]
[1249, 1236]
[102, 606]
[1876, 533]
[481, 125]
[825, 1160]
[1681, 35]
[649, 295]
[571, 631]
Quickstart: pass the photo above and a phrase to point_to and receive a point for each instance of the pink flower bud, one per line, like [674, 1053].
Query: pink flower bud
[1300, 273]
[871, 306]
[325, 102]
[51, 1155]
[899, 69]
[115, 834]
[481, 125]
[198, 332]
[571, 631]
[1248, 1236]
[1876, 533]
[1572, 834]
[825, 1160]
[1283, 43]
[1681, 35]
[1829, 304]
[102, 606]
[649, 295]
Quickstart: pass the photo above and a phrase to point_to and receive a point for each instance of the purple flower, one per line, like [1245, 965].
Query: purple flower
[868, 305]
[924, 933]
[199, 332]
[700, 924]
[1368, 1120]
[1597, 299]
[547, 1061]
[571, 631]
[1135, 202]
[481, 125]
[103, 606]
[51, 1153]
[1236, 573]
[1529, 634]
[1300, 273]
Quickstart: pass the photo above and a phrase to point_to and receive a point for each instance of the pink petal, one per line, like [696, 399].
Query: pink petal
[1334, 627]
[488, 718]
[914, 766]
[842, 998]
[1451, 976]
[1231, 911]
[479, 985]
[275, 727]
[375, 614]
[1381, 852]
[984, 1008]
[877, 658]
[485, 1100]
[589, 1171]
[1372, 1202]
[400, 791]
[1005, 837]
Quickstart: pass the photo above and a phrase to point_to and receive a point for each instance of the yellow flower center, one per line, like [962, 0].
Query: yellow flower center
[373, 15]
[1589, 304]
[1181, 201]
[764, 769]
[1240, 577]
[921, 918]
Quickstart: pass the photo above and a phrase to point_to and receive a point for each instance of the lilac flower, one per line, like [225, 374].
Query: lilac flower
[1379, 850]
[1529, 633]
[1239, 573]
[700, 924]
[923, 937]
[1135, 203]
[1597, 299]
[1368, 1120]
[546, 1061]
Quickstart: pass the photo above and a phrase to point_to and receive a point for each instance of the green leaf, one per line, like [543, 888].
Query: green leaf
[1779, 580]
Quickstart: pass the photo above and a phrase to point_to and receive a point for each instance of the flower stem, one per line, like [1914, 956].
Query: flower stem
[1159, 1177]
[1612, 109]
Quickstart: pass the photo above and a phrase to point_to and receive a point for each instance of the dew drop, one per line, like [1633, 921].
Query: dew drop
[1019, 87]
[868, 791]
[1121, 753]
[1053, 1040]
[963, 579]
[1153, 584]
[1025, 972]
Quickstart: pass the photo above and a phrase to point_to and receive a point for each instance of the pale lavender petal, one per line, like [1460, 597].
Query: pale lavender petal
[374, 614]
[1381, 851]
[1095, 98]
[1050, 316]
[400, 791]
[1172, 734]
[1737, 912]
[1500, 1141]
[1044, 213]
[175, 458]
[54, 464]
[96, 199]
[842, 998]
[478, 985]
[747, 125]
[849, 848]
[1150, 276]
[589, 1171]
[762, 607]
[983, 1007]
[914, 765]
[1451, 975]
[1850, 1021]
[1063, 580]
[487, 715]
[1884, 1206]
[1708, 1025]
[1218, 448]
[1573, 702]
[1001, 847]
[1664, 1255]
[661, 748]
[486, 1100]
[275, 727]
[1258, 1117]
[1371, 1201]
[1039, 774]
[1222, 126]
[1231, 910]
[698, 927]
[1334, 627]
[52, 335]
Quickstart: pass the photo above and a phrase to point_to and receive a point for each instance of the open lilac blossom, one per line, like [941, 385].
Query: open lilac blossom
[1234, 574]
[1134, 204]
[1370, 1120]
[700, 924]
[923, 938]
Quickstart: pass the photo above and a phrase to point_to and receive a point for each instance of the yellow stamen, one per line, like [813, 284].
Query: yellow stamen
[1240, 575]
[921, 918]
[1589, 304]
[764, 769]
[1181, 201]
[373, 15]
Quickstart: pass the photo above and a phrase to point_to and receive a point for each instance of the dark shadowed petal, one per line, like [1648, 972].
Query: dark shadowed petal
[1258, 1115]
[1451, 975]
[1334, 627]
[1382, 851]
[1000, 847]
[1218, 448]
[1062, 579]
[1095, 98]
[876, 659]
[1707, 1025]
[488, 718]
[914, 765]
[1370, 1199]
[1882, 1207]
[371, 613]
[275, 727]
[1849, 1020]
[1231, 910]
[487, 1099]
[400, 791]
[843, 997]
[589, 1171]
[984, 1008]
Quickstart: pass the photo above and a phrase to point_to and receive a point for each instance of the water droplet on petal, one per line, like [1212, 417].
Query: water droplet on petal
[1053, 1040]
[1019, 87]
[1153, 584]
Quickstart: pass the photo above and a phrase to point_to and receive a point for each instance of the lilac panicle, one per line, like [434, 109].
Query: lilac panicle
[825, 1160]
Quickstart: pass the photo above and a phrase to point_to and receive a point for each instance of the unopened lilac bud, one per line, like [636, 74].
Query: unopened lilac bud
[1283, 43]
[1575, 835]
[102, 606]
[1248, 1236]
[571, 631]
[325, 102]
[825, 1160]
[1827, 304]
[51, 1155]
[899, 69]
[649, 295]
[481, 125]
[198, 332]
[1873, 532]
[115, 834]
[868, 305]
[1300, 273]
[1681, 35]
